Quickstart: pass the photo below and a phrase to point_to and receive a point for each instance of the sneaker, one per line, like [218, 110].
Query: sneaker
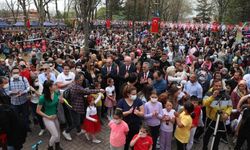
[224, 141]
[96, 141]
[67, 136]
[81, 132]
[41, 132]
[87, 136]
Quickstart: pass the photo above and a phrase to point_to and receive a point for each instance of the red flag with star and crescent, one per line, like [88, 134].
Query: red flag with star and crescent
[155, 25]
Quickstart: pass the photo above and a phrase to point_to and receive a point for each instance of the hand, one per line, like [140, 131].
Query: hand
[102, 90]
[136, 112]
[215, 93]
[176, 114]
[52, 117]
[61, 100]
[224, 116]
[94, 120]
[155, 113]
[126, 75]
[131, 110]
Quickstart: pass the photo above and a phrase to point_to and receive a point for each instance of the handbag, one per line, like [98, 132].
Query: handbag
[60, 114]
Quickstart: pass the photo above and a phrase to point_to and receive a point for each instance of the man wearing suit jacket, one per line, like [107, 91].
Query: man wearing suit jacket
[109, 70]
[126, 68]
[145, 77]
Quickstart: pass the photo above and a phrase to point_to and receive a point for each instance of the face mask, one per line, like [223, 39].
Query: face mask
[133, 97]
[117, 121]
[15, 76]
[78, 70]
[154, 100]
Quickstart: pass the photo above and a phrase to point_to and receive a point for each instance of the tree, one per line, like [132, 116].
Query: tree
[14, 8]
[40, 6]
[204, 9]
[222, 6]
[84, 9]
[24, 4]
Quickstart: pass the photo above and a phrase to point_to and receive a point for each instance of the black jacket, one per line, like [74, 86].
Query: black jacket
[13, 126]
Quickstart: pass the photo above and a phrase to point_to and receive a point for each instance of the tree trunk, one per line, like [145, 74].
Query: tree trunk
[48, 14]
[57, 12]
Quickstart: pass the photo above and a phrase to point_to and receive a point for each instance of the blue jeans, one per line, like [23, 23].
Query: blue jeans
[23, 111]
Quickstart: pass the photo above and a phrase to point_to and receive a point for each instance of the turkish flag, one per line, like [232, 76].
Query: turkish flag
[28, 24]
[130, 24]
[215, 26]
[155, 25]
[108, 23]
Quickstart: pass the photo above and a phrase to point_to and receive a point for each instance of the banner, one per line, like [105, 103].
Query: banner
[214, 27]
[108, 23]
[155, 25]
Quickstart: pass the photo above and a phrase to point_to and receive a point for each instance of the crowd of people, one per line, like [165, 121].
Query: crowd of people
[149, 88]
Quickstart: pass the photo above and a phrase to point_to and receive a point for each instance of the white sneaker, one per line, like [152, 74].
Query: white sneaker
[96, 141]
[41, 132]
[67, 136]
[87, 136]
[81, 132]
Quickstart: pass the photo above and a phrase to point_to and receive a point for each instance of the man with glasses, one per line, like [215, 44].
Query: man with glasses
[18, 91]
[46, 74]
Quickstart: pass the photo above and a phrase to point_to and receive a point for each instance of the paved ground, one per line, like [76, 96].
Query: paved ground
[80, 142]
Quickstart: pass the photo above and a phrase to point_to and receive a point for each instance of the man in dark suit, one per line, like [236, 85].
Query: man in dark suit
[109, 70]
[145, 77]
[126, 68]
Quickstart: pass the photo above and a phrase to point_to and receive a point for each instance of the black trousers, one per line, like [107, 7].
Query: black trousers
[155, 131]
[209, 132]
[76, 121]
[242, 137]
[132, 131]
[181, 146]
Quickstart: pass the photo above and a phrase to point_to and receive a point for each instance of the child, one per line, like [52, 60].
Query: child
[197, 111]
[153, 116]
[119, 130]
[184, 124]
[142, 140]
[167, 125]
[99, 103]
[110, 100]
[92, 123]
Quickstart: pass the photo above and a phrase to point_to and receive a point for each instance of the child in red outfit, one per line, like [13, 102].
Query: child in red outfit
[92, 123]
[142, 141]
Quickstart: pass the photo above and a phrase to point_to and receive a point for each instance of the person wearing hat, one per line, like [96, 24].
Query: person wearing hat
[197, 114]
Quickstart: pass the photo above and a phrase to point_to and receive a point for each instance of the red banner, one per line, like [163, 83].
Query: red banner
[108, 23]
[28, 24]
[155, 25]
[215, 26]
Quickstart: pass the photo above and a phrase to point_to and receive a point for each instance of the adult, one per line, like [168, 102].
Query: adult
[47, 108]
[65, 79]
[193, 87]
[133, 111]
[145, 76]
[159, 84]
[77, 93]
[46, 74]
[4, 97]
[126, 68]
[213, 101]
[18, 91]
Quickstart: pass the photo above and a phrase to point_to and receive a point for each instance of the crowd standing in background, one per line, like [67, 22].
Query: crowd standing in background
[151, 89]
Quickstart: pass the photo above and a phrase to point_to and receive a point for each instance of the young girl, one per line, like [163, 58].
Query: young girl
[142, 140]
[197, 111]
[92, 123]
[153, 116]
[184, 124]
[99, 103]
[119, 130]
[167, 125]
[110, 100]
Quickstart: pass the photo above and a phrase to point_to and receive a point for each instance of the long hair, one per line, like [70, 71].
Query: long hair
[46, 91]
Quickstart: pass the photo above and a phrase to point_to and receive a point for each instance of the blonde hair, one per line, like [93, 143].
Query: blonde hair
[171, 71]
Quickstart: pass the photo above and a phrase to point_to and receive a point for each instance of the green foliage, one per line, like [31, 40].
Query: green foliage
[101, 13]
[204, 9]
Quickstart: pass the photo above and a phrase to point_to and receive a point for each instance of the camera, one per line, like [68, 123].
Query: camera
[222, 94]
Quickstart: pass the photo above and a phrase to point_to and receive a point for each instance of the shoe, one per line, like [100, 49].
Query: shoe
[81, 132]
[41, 132]
[67, 136]
[96, 141]
[87, 136]
[224, 141]
[57, 145]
